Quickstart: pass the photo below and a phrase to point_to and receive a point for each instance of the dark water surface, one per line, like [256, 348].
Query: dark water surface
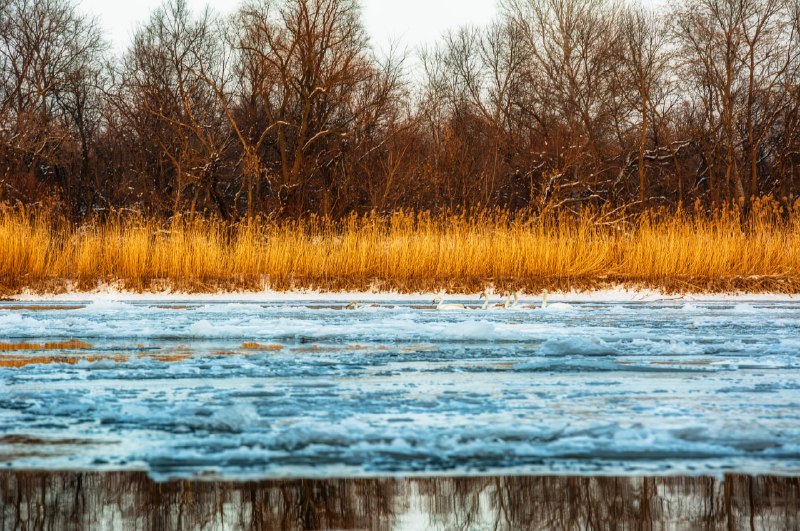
[120, 500]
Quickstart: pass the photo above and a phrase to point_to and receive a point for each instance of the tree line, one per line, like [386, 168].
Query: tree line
[286, 108]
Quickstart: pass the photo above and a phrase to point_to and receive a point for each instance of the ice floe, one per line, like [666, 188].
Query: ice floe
[624, 387]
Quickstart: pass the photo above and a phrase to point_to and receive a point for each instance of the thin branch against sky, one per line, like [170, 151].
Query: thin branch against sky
[410, 23]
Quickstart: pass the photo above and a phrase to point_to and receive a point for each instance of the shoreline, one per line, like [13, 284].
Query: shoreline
[402, 253]
[610, 294]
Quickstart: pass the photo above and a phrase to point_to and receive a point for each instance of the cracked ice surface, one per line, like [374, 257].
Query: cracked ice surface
[584, 388]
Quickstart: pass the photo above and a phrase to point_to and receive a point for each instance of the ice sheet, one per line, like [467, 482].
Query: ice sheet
[400, 389]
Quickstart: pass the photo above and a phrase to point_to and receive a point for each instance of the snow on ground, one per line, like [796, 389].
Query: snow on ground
[618, 294]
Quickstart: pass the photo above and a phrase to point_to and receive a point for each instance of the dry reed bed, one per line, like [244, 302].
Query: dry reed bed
[684, 252]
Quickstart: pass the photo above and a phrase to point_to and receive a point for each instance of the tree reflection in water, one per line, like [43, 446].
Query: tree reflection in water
[63, 500]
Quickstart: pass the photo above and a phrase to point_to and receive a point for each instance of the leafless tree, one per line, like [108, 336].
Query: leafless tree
[642, 66]
[49, 58]
[571, 46]
[173, 109]
[284, 108]
[310, 82]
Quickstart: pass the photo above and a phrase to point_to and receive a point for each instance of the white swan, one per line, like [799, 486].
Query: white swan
[485, 299]
[556, 306]
[499, 305]
[517, 306]
[353, 306]
[440, 305]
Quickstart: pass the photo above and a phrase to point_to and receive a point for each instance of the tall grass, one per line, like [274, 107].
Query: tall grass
[682, 251]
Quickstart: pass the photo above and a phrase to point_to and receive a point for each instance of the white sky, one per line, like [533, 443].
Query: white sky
[411, 22]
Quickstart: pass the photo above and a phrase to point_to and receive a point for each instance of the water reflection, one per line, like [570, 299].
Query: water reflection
[63, 500]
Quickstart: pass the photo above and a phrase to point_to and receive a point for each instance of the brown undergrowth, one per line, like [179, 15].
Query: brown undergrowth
[732, 249]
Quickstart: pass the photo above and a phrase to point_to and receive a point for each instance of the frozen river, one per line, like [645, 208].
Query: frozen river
[310, 389]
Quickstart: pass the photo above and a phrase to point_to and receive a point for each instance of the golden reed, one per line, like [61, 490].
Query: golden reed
[676, 252]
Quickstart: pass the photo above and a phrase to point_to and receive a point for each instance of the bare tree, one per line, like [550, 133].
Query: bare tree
[172, 106]
[475, 78]
[310, 75]
[49, 60]
[571, 45]
[643, 61]
[766, 31]
[284, 108]
[709, 32]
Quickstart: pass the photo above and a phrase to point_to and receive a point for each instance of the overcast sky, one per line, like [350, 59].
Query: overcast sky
[412, 22]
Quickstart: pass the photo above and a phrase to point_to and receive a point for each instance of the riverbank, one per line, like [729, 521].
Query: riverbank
[620, 294]
[674, 253]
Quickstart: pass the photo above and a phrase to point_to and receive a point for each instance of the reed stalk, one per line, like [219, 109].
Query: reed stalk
[728, 250]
